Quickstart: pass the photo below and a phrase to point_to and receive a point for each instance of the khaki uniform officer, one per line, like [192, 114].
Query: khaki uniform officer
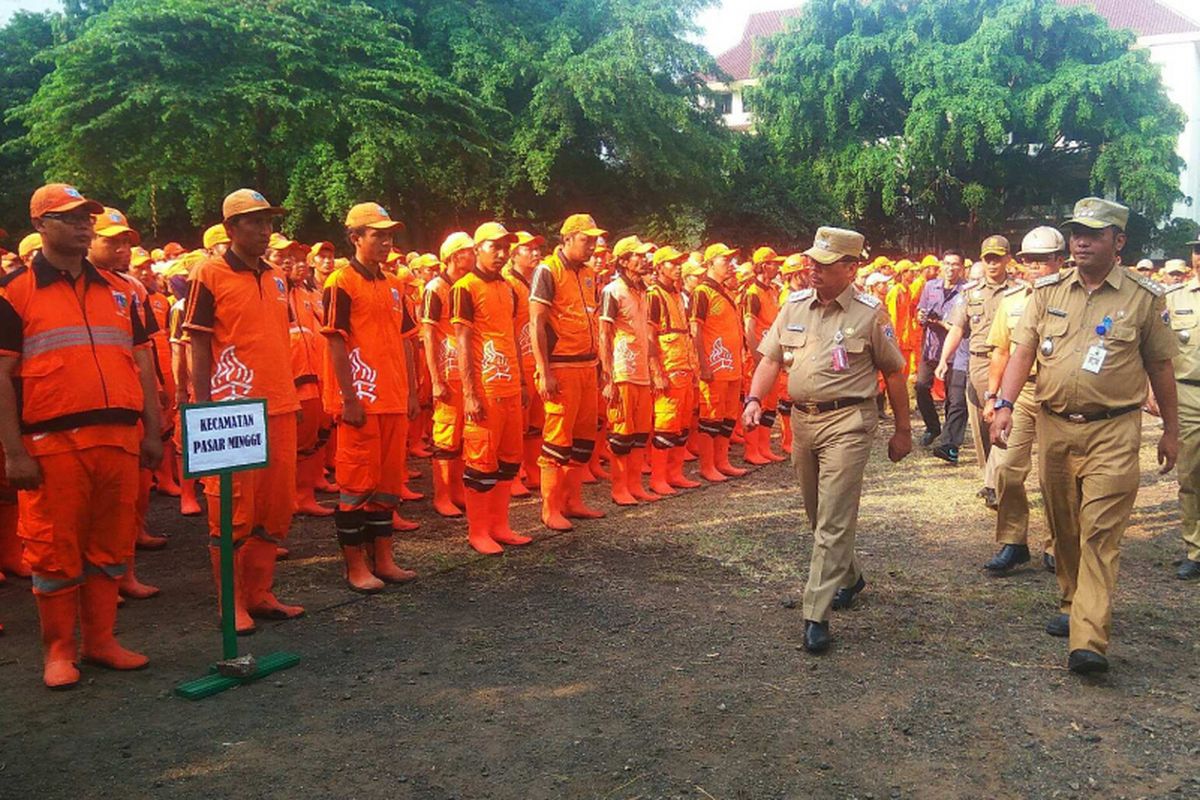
[832, 341]
[1183, 303]
[1097, 331]
[1043, 251]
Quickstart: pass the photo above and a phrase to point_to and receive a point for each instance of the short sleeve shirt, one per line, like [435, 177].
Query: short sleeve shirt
[1183, 304]
[626, 308]
[720, 329]
[435, 312]
[487, 305]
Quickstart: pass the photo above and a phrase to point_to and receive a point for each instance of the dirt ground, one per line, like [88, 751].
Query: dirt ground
[655, 653]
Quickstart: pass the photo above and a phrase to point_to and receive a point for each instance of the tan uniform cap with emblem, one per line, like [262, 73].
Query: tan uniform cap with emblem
[1097, 213]
[995, 246]
[834, 244]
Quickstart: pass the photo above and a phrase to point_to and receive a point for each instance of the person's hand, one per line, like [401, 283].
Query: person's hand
[353, 413]
[940, 371]
[1168, 453]
[181, 397]
[1151, 406]
[899, 445]
[414, 405]
[659, 382]
[151, 452]
[706, 374]
[989, 411]
[473, 409]
[1001, 427]
[22, 470]
[922, 315]
[547, 386]
[752, 415]
[609, 392]
[441, 392]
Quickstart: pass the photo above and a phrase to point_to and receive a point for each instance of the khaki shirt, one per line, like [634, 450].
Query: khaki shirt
[974, 312]
[1060, 325]
[1183, 304]
[1008, 314]
[803, 336]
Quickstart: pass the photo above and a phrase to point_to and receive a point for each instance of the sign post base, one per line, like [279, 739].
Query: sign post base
[213, 683]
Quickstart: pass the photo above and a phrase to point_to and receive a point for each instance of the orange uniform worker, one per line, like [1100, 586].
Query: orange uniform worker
[366, 321]
[166, 480]
[484, 317]
[237, 320]
[628, 361]
[527, 252]
[441, 355]
[74, 339]
[760, 305]
[717, 332]
[674, 402]
[321, 262]
[181, 359]
[901, 309]
[562, 307]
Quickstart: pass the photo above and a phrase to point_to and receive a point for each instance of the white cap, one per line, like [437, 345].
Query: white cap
[1145, 263]
[876, 278]
[1176, 266]
[1043, 240]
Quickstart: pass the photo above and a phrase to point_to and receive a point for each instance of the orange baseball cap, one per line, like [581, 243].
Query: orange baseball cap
[764, 255]
[493, 232]
[527, 238]
[111, 222]
[140, 257]
[247, 201]
[320, 247]
[793, 264]
[459, 240]
[58, 197]
[717, 250]
[215, 235]
[173, 250]
[279, 242]
[581, 223]
[629, 245]
[30, 243]
[372, 215]
[667, 255]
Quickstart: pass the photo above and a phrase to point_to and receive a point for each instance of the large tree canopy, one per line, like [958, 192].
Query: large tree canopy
[941, 118]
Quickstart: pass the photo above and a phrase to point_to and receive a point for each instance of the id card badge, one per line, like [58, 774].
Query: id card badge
[1094, 359]
[841, 360]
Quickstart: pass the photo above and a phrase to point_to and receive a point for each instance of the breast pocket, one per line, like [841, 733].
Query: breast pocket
[1184, 329]
[793, 344]
[855, 346]
[1052, 345]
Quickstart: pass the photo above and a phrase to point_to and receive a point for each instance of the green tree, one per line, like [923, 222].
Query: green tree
[947, 119]
[166, 105]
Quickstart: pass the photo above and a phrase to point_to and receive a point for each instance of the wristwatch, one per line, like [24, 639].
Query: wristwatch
[753, 399]
[990, 395]
[1001, 403]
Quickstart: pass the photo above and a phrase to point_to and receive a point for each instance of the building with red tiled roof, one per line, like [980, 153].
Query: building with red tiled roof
[1163, 27]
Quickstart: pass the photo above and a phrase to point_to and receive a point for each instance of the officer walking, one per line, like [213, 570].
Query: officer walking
[1183, 303]
[1097, 333]
[832, 341]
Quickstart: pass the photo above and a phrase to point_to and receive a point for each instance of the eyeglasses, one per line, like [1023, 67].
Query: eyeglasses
[74, 218]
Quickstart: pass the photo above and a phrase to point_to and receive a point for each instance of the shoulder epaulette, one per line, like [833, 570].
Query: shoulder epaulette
[1048, 280]
[868, 300]
[802, 294]
[969, 285]
[1020, 287]
[1174, 288]
[1153, 287]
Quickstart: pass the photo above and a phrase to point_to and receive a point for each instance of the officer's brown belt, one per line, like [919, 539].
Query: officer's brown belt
[1094, 416]
[831, 405]
[1188, 383]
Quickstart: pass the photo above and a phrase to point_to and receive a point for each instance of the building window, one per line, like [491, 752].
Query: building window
[724, 102]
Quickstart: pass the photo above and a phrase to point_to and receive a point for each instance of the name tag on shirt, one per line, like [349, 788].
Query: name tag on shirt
[795, 328]
[1094, 359]
[1056, 312]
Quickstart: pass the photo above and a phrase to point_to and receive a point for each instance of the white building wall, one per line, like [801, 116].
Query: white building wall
[1180, 63]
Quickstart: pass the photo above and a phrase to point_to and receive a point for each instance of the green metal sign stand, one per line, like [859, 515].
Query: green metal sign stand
[219, 458]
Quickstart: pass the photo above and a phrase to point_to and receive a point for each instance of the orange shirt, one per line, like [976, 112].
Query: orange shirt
[368, 311]
[245, 309]
[308, 345]
[720, 329]
[435, 311]
[520, 288]
[625, 307]
[570, 294]
[761, 306]
[669, 323]
[488, 307]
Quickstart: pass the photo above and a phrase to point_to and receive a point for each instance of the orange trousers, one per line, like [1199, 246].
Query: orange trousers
[569, 435]
[448, 422]
[82, 518]
[263, 499]
[492, 448]
[371, 463]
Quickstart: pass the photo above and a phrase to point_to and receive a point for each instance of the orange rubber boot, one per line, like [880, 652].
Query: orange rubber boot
[443, 475]
[308, 471]
[519, 489]
[386, 568]
[498, 503]
[164, 476]
[478, 522]
[675, 460]
[785, 433]
[189, 504]
[98, 617]
[403, 524]
[752, 454]
[242, 621]
[619, 472]
[708, 465]
[529, 466]
[57, 613]
[691, 450]
[633, 476]
[764, 446]
[595, 470]
[660, 472]
[12, 552]
[721, 458]
[738, 435]
[129, 586]
[258, 569]
[307, 505]
[575, 506]
[358, 572]
[554, 490]
[458, 492]
[148, 541]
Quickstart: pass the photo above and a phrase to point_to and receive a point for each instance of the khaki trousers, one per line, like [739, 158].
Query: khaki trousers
[1012, 468]
[829, 453]
[980, 430]
[1089, 476]
[1189, 467]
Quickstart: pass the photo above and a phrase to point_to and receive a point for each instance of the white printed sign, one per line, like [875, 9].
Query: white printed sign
[224, 437]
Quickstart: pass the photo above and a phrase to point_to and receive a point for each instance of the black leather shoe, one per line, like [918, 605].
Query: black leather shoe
[989, 499]
[1009, 556]
[1059, 625]
[816, 636]
[928, 437]
[1188, 571]
[1048, 563]
[844, 598]
[947, 454]
[1085, 662]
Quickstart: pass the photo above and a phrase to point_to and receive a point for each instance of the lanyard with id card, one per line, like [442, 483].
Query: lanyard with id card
[1094, 360]
[841, 359]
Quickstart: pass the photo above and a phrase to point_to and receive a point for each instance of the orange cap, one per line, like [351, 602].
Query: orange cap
[30, 243]
[112, 222]
[173, 250]
[321, 247]
[247, 201]
[493, 232]
[215, 235]
[764, 255]
[581, 223]
[139, 257]
[372, 215]
[525, 237]
[57, 197]
[717, 250]
[459, 240]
